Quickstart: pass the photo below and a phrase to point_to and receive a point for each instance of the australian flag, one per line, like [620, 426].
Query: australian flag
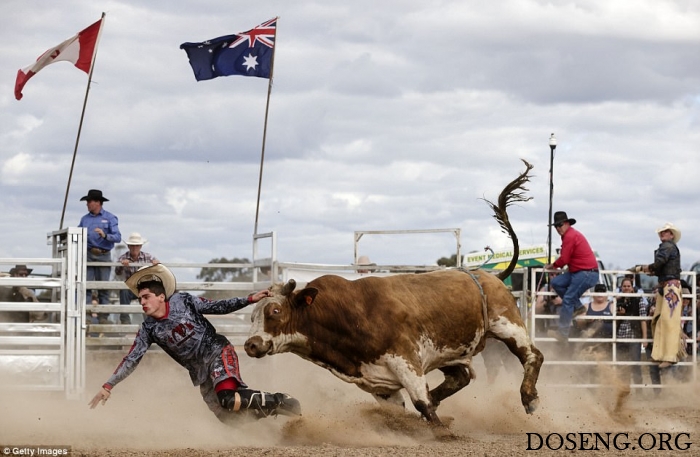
[246, 54]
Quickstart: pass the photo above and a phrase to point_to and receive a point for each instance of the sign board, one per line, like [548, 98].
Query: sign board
[530, 256]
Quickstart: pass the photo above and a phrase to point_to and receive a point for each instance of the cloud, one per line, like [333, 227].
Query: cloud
[381, 117]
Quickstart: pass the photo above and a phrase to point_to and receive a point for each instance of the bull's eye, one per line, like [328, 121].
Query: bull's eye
[276, 310]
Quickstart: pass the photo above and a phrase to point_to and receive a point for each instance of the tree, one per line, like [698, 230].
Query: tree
[226, 274]
[448, 261]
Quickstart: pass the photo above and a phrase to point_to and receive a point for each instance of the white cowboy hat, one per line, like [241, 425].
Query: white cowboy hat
[668, 226]
[153, 273]
[364, 260]
[135, 239]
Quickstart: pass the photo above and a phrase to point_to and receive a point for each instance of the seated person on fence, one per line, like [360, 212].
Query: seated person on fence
[176, 323]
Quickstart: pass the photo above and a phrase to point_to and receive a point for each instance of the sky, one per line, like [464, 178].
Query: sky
[393, 115]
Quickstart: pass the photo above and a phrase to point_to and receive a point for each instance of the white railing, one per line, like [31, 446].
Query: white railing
[560, 355]
[115, 336]
[33, 354]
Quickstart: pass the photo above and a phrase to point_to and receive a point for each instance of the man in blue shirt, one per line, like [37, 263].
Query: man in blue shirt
[102, 233]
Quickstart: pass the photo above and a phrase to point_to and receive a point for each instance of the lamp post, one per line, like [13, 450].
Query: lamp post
[552, 147]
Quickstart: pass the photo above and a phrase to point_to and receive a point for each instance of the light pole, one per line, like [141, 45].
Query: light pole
[552, 147]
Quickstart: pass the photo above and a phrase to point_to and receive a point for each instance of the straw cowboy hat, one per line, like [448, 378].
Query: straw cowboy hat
[364, 260]
[561, 217]
[673, 229]
[366, 265]
[153, 273]
[94, 195]
[135, 239]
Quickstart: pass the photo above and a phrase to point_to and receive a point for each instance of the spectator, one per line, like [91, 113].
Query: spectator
[599, 307]
[364, 265]
[691, 335]
[637, 288]
[176, 323]
[668, 346]
[630, 329]
[21, 294]
[583, 273]
[135, 255]
[102, 229]
[600, 327]
[654, 372]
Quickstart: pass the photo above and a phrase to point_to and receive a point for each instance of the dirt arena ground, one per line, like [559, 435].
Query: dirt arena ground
[157, 412]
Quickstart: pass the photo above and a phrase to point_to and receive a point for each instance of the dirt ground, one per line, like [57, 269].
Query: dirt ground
[157, 412]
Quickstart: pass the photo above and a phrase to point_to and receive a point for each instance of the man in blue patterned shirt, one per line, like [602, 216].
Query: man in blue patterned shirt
[102, 233]
[176, 323]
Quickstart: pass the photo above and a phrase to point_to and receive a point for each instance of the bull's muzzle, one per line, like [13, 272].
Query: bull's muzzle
[256, 347]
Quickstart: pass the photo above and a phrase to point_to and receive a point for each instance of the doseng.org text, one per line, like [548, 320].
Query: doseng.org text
[621, 441]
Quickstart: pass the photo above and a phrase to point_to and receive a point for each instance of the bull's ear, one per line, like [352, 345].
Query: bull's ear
[305, 297]
[289, 287]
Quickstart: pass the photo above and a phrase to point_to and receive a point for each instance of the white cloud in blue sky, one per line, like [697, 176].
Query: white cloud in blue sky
[397, 115]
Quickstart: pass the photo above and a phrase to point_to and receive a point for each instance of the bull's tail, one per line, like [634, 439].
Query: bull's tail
[512, 193]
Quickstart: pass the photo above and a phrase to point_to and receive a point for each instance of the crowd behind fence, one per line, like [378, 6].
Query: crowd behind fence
[578, 350]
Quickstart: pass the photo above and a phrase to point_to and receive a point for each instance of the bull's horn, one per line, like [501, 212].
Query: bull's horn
[289, 287]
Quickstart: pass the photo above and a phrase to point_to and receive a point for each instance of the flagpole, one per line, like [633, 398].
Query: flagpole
[267, 108]
[82, 116]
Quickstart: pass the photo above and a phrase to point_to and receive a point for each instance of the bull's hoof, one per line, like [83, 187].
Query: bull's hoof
[447, 420]
[442, 433]
[532, 405]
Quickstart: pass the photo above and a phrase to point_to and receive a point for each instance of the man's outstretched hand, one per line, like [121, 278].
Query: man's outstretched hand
[101, 396]
[257, 296]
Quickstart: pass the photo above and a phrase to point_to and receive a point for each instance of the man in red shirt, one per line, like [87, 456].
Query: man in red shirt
[581, 275]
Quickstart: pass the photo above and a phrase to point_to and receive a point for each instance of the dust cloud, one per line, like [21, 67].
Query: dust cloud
[157, 408]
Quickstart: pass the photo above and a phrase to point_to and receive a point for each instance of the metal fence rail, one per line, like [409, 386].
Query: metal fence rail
[32, 354]
[52, 355]
[567, 358]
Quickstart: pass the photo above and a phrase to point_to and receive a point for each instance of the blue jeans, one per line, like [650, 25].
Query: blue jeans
[125, 297]
[570, 287]
[98, 274]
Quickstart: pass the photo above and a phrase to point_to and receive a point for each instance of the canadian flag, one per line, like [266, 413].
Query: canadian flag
[79, 50]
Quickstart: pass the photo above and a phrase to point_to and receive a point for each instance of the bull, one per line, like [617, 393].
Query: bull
[385, 334]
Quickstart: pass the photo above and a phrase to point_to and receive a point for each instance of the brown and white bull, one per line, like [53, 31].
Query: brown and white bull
[385, 334]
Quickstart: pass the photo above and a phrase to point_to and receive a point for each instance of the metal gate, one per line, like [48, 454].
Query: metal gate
[47, 354]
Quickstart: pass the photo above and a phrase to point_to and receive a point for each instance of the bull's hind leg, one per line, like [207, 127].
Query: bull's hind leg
[456, 378]
[515, 336]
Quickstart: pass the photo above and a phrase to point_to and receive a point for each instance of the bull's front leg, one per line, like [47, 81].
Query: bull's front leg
[427, 410]
[409, 374]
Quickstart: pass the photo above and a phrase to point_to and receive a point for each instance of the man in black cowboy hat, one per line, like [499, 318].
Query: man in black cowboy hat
[102, 233]
[21, 294]
[581, 276]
